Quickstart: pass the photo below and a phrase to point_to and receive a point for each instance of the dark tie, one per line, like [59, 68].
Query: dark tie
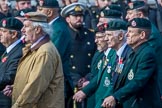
[115, 74]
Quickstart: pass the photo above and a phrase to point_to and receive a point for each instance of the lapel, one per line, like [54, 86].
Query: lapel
[101, 71]
[128, 64]
[98, 55]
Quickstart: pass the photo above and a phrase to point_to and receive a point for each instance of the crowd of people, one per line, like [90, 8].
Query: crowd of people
[78, 55]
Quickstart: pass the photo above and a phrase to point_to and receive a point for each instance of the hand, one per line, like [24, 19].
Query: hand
[85, 84]
[79, 96]
[8, 90]
[80, 83]
[109, 102]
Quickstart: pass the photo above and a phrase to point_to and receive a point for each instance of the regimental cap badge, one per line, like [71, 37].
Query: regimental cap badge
[102, 14]
[77, 8]
[22, 13]
[133, 24]
[4, 22]
[130, 5]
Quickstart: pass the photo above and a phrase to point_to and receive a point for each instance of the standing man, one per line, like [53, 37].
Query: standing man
[39, 82]
[61, 39]
[137, 84]
[10, 37]
[83, 46]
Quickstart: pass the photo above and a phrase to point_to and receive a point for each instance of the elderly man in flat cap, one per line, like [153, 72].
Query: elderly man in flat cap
[137, 85]
[10, 37]
[39, 82]
[59, 36]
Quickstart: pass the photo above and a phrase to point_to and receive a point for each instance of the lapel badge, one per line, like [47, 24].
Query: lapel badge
[99, 64]
[102, 14]
[108, 69]
[106, 82]
[130, 5]
[131, 75]
[133, 23]
[4, 22]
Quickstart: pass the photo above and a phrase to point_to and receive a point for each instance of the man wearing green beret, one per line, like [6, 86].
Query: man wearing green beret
[61, 39]
[101, 84]
[10, 37]
[39, 81]
[138, 9]
[137, 85]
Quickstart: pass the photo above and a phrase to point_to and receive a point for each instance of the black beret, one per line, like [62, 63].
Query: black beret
[101, 28]
[11, 23]
[117, 25]
[135, 5]
[110, 14]
[140, 23]
[22, 12]
[49, 3]
[113, 7]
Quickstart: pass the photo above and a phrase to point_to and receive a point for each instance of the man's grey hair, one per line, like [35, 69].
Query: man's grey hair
[45, 27]
[117, 32]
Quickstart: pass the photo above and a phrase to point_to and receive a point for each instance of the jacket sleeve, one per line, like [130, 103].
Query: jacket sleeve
[39, 79]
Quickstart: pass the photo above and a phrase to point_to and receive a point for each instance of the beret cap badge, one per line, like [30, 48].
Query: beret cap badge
[130, 5]
[102, 14]
[22, 13]
[78, 9]
[133, 23]
[4, 22]
[41, 2]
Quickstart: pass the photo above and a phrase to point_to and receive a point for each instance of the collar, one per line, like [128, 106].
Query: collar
[121, 49]
[50, 23]
[13, 45]
[34, 44]
[107, 52]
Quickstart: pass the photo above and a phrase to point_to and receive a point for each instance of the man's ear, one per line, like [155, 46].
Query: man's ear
[49, 12]
[38, 29]
[121, 36]
[14, 34]
[143, 35]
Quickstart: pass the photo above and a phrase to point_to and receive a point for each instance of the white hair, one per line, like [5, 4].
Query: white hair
[45, 27]
[117, 32]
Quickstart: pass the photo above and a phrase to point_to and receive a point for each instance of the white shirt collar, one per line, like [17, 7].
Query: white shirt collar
[34, 44]
[50, 23]
[13, 45]
[120, 51]
[107, 51]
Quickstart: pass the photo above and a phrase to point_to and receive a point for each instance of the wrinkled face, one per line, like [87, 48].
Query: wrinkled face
[100, 42]
[5, 36]
[23, 5]
[112, 39]
[29, 31]
[102, 3]
[75, 21]
[3, 5]
[131, 14]
[133, 36]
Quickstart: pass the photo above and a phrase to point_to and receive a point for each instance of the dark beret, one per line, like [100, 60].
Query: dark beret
[140, 23]
[101, 28]
[22, 12]
[110, 14]
[135, 5]
[49, 3]
[117, 25]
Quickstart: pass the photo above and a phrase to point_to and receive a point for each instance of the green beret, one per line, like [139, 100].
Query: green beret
[117, 25]
[135, 5]
[140, 23]
[73, 9]
[110, 14]
[22, 12]
[36, 17]
[113, 7]
[101, 28]
[11, 23]
[2, 16]
[49, 3]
